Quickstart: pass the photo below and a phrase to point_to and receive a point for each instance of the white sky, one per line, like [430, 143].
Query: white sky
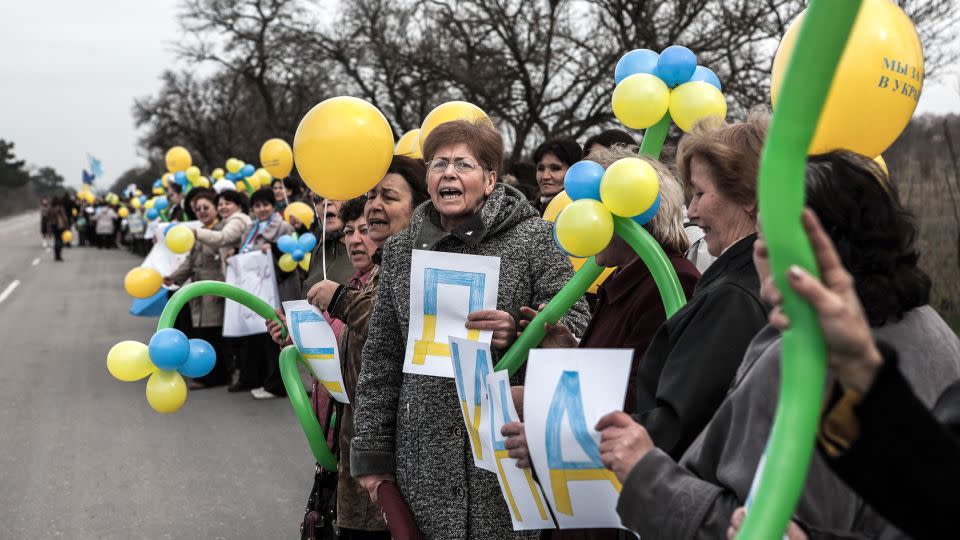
[71, 70]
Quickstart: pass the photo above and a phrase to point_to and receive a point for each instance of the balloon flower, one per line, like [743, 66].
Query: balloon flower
[295, 251]
[166, 360]
[654, 88]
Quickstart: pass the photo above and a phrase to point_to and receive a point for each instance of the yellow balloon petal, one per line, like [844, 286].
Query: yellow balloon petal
[584, 228]
[166, 391]
[640, 100]
[305, 262]
[629, 187]
[130, 361]
[286, 262]
[693, 101]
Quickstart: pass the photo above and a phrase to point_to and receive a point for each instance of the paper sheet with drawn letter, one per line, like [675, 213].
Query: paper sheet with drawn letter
[472, 362]
[314, 339]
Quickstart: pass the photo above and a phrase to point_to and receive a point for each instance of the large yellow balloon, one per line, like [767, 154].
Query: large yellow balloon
[640, 100]
[180, 239]
[629, 187]
[301, 211]
[67, 237]
[123, 212]
[166, 391]
[142, 282]
[277, 158]
[694, 101]
[130, 361]
[561, 201]
[343, 147]
[409, 145]
[178, 159]
[448, 112]
[584, 228]
[877, 84]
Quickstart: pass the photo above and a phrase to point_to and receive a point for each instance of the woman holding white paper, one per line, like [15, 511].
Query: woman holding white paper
[408, 427]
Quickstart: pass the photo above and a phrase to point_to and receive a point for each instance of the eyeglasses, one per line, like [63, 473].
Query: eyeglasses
[461, 165]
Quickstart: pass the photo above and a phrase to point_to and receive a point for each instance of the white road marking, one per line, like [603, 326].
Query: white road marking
[36, 261]
[9, 290]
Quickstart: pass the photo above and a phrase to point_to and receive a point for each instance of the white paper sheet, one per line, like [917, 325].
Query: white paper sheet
[471, 365]
[567, 392]
[252, 272]
[528, 507]
[313, 337]
[161, 259]
[444, 289]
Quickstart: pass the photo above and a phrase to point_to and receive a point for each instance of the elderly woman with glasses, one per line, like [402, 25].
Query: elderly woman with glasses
[408, 427]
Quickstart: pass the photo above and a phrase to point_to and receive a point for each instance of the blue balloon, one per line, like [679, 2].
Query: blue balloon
[160, 203]
[158, 184]
[287, 244]
[635, 61]
[247, 170]
[152, 213]
[297, 254]
[143, 199]
[307, 242]
[583, 180]
[645, 217]
[169, 348]
[676, 65]
[706, 75]
[180, 177]
[200, 361]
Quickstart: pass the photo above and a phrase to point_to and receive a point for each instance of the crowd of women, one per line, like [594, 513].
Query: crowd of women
[704, 382]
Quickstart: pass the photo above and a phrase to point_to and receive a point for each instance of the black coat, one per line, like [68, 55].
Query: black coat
[906, 461]
[694, 356]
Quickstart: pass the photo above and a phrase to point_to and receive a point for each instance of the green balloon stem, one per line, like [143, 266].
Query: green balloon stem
[654, 136]
[551, 313]
[317, 440]
[664, 275]
[216, 288]
[803, 93]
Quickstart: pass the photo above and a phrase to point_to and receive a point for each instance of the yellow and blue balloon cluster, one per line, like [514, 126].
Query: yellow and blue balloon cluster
[166, 360]
[296, 250]
[628, 188]
[650, 84]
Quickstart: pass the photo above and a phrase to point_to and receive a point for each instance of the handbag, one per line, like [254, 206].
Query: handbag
[320, 518]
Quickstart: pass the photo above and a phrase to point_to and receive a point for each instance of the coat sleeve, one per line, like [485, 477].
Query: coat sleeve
[551, 270]
[700, 367]
[231, 233]
[378, 387]
[185, 270]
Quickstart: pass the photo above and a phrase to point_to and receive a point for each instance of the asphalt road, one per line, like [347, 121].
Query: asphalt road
[83, 455]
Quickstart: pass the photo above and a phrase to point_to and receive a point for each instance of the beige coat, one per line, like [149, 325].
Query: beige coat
[203, 263]
[227, 238]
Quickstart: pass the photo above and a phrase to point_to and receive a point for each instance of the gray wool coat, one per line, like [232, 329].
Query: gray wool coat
[693, 499]
[411, 425]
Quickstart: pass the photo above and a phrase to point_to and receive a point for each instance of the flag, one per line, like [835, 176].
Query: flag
[95, 166]
[87, 177]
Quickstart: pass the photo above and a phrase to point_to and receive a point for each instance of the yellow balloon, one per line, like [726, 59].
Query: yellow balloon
[883, 164]
[150, 202]
[640, 100]
[264, 176]
[448, 112]
[217, 173]
[409, 145]
[301, 211]
[166, 391]
[123, 212]
[561, 201]
[286, 262]
[694, 101]
[158, 191]
[130, 361]
[67, 237]
[877, 84]
[234, 165]
[254, 182]
[629, 187]
[178, 159]
[203, 181]
[142, 282]
[241, 186]
[343, 147]
[305, 261]
[276, 156]
[193, 173]
[137, 193]
[180, 239]
[584, 228]
[135, 202]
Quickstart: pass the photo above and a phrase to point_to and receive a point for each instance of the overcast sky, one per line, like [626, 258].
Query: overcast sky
[71, 71]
